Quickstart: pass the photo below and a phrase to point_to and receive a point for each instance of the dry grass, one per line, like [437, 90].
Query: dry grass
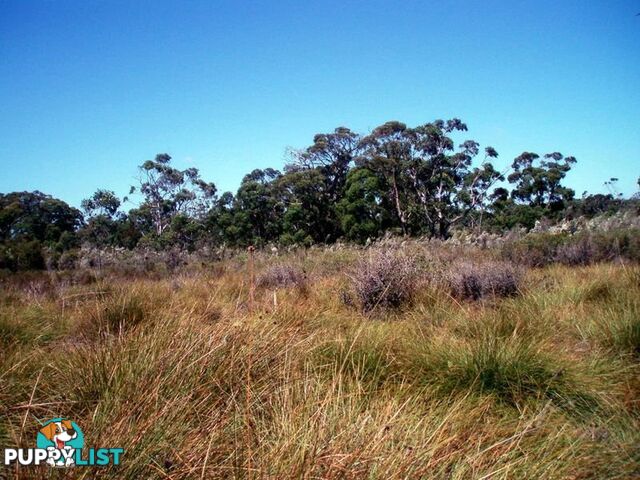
[192, 384]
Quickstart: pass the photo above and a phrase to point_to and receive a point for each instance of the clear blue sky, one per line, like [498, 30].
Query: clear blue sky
[91, 89]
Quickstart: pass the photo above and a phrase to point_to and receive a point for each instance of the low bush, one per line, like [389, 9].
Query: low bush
[22, 255]
[533, 250]
[579, 252]
[384, 279]
[584, 248]
[474, 281]
[68, 260]
[622, 243]
[281, 275]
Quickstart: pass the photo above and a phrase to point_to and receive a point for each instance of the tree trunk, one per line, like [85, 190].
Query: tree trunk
[396, 195]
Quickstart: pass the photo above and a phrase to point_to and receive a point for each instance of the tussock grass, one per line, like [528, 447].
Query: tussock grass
[192, 384]
[512, 371]
[121, 310]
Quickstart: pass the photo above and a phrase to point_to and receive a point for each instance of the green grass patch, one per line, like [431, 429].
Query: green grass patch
[513, 371]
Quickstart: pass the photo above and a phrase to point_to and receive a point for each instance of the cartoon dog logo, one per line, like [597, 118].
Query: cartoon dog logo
[61, 434]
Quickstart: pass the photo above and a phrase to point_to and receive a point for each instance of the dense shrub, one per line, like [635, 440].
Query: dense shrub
[473, 281]
[533, 250]
[280, 275]
[68, 260]
[22, 255]
[139, 262]
[584, 248]
[384, 279]
[623, 243]
[579, 252]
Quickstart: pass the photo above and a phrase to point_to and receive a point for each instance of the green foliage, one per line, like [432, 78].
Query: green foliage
[31, 222]
[303, 199]
[362, 210]
[327, 163]
[537, 192]
[535, 250]
[422, 180]
[169, 192]
[507, 214]
[22, 255]
[431, 185]
[539, 249]
[36, 216]
[592, 205]
[255, 212]
[102, 202]
[537, 181]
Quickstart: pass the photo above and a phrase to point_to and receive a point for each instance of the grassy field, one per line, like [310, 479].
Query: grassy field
[195, 381]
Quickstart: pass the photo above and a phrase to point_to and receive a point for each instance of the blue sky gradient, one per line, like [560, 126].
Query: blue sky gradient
[89, 90]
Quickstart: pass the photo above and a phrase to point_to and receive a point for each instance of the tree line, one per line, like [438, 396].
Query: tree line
[425, 180]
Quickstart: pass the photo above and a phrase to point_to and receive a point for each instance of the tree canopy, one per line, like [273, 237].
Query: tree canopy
[424, 180]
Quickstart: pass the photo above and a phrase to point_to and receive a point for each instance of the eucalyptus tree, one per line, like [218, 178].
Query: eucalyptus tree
[101, 216]
[307, 212]
[364, 211]
[537, 181]
[327, 162]
[448, 186]
[332, 154]
[169, 192]
[31, 222]
[101, 203]
[256, 211]
[387, 151]
[431, 184]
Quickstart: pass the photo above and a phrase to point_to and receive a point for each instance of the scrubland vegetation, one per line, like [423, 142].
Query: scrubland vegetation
[424, 181]
[408, 312]
[405, 359]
